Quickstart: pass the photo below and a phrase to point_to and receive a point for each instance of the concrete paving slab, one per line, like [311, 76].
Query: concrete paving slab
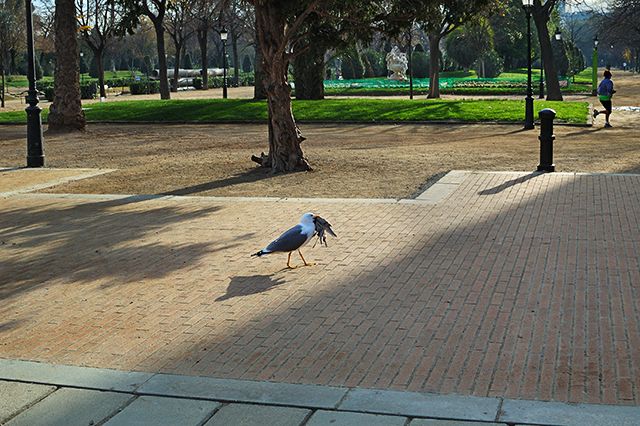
[158, 411]
[258, 415]
[437, 192]
[71, 407]
[310, 396]
[338, 418]
[15, 396]
[15, 181]
[455, 177]
[417, 404]
[63, 375]
[433, 422]
[557, 413]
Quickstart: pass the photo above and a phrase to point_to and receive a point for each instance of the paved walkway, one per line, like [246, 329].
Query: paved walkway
[509, 285]
[49, 395]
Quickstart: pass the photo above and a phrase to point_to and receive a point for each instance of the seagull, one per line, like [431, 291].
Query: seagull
[293, 239]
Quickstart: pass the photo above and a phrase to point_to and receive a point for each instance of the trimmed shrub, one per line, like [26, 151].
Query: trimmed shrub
[87, 90]
[144, 87]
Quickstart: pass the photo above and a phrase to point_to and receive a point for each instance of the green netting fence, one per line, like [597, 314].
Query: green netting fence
[423, 83]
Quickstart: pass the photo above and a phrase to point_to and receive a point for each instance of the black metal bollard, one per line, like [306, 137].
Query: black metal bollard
[546, 140]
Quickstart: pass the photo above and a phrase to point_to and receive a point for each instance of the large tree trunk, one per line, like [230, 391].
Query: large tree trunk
[100, 65]
[553, 85]
[434, 66]
[285, 153]
[202, 34]
[66, 112]
[259, 91]
[308, 72]
[176, 68]
[162, 61]
[236, 66]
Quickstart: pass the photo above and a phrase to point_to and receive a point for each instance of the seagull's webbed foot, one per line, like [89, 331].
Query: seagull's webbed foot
[305, 262]
[289, 262]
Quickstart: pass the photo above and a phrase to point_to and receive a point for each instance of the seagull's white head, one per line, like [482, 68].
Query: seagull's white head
[307, 218]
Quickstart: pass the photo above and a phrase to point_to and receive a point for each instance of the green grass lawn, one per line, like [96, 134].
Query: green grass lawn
[332, 110]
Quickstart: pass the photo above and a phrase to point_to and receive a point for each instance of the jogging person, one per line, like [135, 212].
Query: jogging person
[605, 92]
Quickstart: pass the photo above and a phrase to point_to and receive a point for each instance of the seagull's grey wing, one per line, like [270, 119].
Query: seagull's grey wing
[291, 240]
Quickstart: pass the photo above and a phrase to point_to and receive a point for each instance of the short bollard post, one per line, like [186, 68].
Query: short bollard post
[546, 140]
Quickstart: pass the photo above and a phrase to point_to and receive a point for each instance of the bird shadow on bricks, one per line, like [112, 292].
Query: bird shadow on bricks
[247, 285]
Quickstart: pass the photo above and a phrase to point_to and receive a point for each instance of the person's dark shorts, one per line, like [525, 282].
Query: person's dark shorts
[606, 105]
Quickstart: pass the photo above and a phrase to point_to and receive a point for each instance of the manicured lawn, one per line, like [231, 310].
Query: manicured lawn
[332, 110]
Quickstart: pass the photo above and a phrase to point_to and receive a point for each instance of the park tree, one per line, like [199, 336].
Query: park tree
[234, 21]
[510, 34]
[280, 30]
[99, 21]
[204, 14]
[155, 11]
[179, 27]
[439, 20]
[12, 38]
[66, 112]
[541, 12]
[468, 43]
[621, 25]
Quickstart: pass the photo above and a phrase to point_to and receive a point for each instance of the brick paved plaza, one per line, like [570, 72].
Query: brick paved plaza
[517, 285]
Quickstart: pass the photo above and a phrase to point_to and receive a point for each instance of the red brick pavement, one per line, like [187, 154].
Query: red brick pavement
[515, 285]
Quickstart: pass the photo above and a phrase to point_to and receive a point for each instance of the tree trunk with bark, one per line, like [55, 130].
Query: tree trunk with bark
[434, 66]
[176, 66]
[259, 91]
[162, 60]
[66, 112]
[202, 35]
[541, 18]
[285, 153]
[100, 66]
[308, 72]
[234, 54]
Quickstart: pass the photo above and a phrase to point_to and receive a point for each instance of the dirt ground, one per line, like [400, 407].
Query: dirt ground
[392, 161]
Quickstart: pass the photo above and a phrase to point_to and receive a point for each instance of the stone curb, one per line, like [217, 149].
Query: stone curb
[339, 399]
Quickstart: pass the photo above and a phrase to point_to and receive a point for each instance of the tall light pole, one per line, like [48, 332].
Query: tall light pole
[528, 102]
[35, 152]
[223, 37]
[594, 68]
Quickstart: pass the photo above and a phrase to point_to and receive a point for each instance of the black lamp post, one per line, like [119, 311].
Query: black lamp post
[528, 106]
[35, 153]
[223, 37]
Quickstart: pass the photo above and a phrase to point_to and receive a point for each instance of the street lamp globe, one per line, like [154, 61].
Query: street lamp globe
[527, 4]
[223, 34]
[595, 41]
[558, 34]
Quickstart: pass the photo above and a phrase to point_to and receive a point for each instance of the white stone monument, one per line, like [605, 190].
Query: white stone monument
[397, 63]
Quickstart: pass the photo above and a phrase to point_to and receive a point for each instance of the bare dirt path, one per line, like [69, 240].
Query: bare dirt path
[349, 160]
